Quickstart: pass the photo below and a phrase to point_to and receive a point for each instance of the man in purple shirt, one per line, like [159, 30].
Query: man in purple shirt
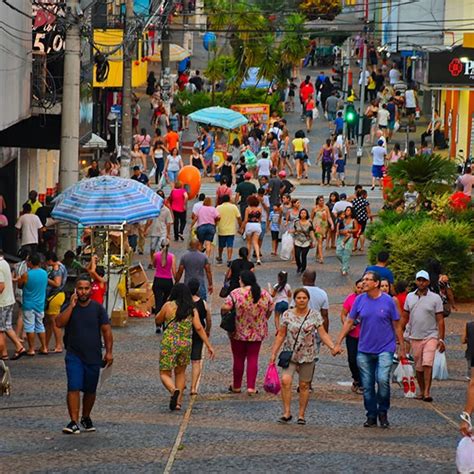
[380, 326]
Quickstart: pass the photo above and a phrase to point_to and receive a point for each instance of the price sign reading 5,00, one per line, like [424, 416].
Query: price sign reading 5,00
[48, 36]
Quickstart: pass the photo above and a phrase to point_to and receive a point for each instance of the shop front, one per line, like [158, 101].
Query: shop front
[451, 73]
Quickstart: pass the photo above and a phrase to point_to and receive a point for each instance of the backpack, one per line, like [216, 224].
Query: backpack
[5, 379]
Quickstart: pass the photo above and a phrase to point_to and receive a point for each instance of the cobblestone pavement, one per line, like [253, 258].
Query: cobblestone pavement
[219, 432]
[223, 432]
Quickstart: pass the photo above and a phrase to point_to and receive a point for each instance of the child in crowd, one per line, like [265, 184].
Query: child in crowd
[340, 164]
[281, 294]
[275, 223]
[338, 124]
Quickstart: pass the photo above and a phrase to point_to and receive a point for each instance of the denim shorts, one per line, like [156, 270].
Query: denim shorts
[33, 321]
[172, 176]
[281, 307]
[206, 232]
[81, 376]
[226, 241]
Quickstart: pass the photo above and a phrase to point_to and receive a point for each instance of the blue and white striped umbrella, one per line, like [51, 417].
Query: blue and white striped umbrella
[107, 200]
[219, 117]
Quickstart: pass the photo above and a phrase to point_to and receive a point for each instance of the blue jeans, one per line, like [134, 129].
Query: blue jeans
[375, 369]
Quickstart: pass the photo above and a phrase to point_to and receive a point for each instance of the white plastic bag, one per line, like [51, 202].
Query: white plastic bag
[408, 380]
[396, 126]
[152, 172]
[465, 455]
[440, 366]
[397, 375]
[286, 246]
[315, 113]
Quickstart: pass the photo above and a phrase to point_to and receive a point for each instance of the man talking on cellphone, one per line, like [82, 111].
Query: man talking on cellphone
[85, 321]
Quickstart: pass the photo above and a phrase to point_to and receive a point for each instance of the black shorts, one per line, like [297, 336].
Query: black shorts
[362, 225]
[275, 235]
[196, 348]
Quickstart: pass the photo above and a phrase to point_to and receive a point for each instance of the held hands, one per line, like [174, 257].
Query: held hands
[336, 350]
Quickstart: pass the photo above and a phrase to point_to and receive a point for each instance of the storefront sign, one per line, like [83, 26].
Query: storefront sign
[452, 68]
[48, 34]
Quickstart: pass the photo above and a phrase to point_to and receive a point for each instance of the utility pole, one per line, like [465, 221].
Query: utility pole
[361, 113]
[69, 152]
[127, 53]
[165, 64]
[69, 156]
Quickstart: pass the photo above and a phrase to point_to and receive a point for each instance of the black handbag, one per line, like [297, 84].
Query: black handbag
[284, 358]
[228, 319]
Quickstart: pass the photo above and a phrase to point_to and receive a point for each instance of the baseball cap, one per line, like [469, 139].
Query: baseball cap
[248, 175]
[423, 274]
[380, 143]
[282, 174]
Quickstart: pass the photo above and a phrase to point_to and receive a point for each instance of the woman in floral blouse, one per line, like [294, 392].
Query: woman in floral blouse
[253, 306]
[297, 328]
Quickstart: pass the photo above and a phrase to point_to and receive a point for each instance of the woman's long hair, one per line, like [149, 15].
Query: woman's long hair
[181, 295]
[248, 279]
[164, 254]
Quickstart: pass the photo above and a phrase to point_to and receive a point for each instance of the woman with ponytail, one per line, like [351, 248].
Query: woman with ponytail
[253, 306]
[165, 271]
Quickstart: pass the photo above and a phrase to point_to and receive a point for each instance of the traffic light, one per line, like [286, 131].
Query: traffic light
[350, 116]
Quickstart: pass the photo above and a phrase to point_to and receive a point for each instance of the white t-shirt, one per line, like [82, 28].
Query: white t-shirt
[196, 207]
[282, 295]
[410, 101]
[7, 296]
[367, 74]
[173, 162]
[266, 201]
[341, 206]
[394, 76]
[158, 226]
[318, 298]
[382, 117]
[264, 165]
[378, 155]
[29, 224]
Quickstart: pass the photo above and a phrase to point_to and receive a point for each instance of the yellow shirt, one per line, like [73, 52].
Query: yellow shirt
[227, 224]
[298, 145]
[35, 206]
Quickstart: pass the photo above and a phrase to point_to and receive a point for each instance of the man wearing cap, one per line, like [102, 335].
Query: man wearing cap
[379, 153]
[286, 187]
[424, 321]
[243, 191]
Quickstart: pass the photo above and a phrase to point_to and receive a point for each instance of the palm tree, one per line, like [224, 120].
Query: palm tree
[432, 174]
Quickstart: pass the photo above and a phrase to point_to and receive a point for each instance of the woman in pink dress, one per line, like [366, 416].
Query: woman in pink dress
[178, 200]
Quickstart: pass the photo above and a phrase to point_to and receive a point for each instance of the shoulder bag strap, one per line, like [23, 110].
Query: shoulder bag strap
[299, 330]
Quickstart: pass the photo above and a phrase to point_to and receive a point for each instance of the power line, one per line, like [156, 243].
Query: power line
[21, 12]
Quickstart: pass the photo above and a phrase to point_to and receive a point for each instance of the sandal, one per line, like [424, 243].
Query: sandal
[174, 400]
[427, 399]
[18, 354]
[284, 419]
[193, 394]
[5, 357]
[250, 393]
[301, 421]
[31, 354]
[178, 407]
[233, 390]
[43, 353]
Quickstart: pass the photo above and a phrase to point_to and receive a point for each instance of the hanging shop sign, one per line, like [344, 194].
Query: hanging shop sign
[455, 67]
[49, 26]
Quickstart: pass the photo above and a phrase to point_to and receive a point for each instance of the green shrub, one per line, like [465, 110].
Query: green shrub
[432, 174]
[413, 239]
[187, 102]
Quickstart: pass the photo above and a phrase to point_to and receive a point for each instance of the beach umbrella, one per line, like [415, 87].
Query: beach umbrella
[219, 117]
[107, 200]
